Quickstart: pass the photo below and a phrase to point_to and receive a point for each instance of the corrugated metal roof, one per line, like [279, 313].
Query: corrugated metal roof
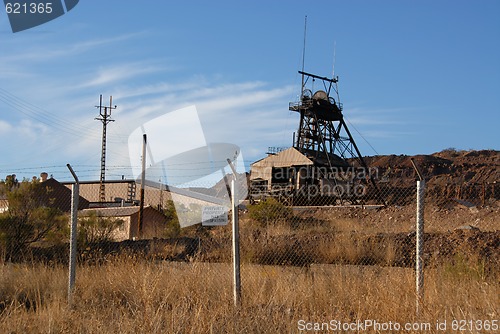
[112, 212]
[288, 157]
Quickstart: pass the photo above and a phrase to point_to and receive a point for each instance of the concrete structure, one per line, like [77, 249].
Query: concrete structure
[154, 222]
[189, 203]
[285, 167]
[156, 195]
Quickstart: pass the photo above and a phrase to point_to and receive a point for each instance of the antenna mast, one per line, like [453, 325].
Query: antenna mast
[105, 118]
[303, 57]
[334, 58]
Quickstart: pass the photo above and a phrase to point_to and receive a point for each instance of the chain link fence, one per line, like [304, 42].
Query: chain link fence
[299, 260]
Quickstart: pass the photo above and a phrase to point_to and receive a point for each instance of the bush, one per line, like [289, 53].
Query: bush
[96, 229]
[270, 212]
[172, 228]
[29, 219]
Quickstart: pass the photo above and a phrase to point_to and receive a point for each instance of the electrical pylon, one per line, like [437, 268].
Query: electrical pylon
[105, 118]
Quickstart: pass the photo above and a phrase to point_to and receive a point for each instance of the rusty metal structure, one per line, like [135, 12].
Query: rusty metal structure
[323, 134]
[324, 166]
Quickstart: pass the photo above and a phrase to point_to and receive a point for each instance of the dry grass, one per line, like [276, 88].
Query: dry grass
[130, 296]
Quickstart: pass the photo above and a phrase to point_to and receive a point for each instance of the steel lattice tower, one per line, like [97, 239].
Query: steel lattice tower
[323, 135]
[105, 118]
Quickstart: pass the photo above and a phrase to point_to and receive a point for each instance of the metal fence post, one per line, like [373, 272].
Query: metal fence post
[419, 251]
[236, 246]
[143, 186]
[236, 239]
[75, 194]
[419, 267]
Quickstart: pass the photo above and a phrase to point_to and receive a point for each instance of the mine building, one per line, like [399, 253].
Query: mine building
[324, 166]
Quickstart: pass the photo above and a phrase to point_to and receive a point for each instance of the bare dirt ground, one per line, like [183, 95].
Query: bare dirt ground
[452, 233]
[462, 216]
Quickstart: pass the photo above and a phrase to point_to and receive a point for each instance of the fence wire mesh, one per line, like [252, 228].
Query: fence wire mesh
[305, 259]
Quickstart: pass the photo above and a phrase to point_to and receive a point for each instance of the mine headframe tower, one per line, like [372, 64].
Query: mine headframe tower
[324, 137]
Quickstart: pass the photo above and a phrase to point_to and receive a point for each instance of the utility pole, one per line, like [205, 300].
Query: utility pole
[143, 181]
[105, 118]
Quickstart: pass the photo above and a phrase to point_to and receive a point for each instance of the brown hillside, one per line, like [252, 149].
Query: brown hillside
[445, 167]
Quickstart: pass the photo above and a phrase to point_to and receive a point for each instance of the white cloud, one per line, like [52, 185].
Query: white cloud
[5, 128]
[54, 51]
[117, 74]
[247, 113]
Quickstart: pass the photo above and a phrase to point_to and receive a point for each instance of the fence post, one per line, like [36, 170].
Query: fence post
[236, 239]
[143, 186]
[75, 194]
[419, 267]
[419, 252]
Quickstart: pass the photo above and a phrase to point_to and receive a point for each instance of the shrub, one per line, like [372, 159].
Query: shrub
[29, 219]
[95, 228]
[172, 227]
[270, 212]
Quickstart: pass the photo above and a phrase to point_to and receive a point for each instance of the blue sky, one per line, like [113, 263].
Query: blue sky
[416, 77]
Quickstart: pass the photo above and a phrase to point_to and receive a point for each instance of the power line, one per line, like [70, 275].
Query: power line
[42, 116]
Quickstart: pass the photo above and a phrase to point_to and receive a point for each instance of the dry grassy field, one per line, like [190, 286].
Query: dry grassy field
[130, 296]
[342, 268]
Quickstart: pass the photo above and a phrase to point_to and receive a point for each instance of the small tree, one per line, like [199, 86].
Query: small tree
[172, 227]
[269, 211]
[28, 219]
[95, 228]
